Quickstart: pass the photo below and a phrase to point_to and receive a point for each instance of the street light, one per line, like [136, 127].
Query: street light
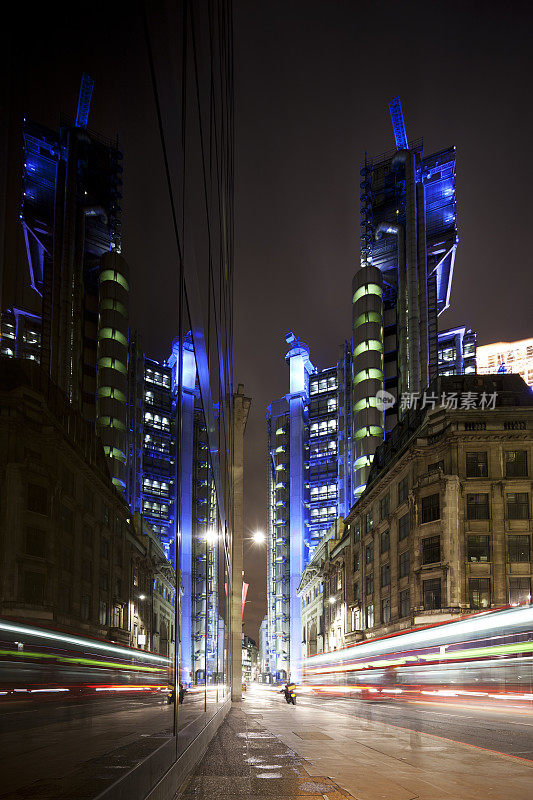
[258, 537]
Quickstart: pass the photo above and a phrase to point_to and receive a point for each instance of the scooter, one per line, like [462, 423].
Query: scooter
[290, 694]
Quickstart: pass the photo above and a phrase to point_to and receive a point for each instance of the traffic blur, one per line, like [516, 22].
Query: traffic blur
[488, 656]
[43, 663]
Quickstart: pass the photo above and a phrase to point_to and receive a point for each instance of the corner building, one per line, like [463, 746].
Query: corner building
[444, 525]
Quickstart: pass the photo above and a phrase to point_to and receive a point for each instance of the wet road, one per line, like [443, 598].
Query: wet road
[505, 730]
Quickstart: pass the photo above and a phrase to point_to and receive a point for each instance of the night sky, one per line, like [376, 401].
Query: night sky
[313, 83]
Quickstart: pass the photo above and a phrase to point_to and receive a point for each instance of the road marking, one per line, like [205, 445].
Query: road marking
[529, 724]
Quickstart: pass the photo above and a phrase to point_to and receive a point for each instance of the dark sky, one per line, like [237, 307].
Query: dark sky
[313, 82]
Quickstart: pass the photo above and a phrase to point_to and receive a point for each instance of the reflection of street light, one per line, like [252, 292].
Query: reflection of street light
[142, 597]
[331, 599]
[211, 537]
[258, 537]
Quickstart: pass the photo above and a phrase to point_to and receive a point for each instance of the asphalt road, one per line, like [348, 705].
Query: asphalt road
[504, 730]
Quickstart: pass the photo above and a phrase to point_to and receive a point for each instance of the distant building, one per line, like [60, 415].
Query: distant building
[515, 357]
[263, 650]
[249, 659]
[457, 351]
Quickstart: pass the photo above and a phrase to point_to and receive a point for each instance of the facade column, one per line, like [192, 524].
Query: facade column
[241, 408]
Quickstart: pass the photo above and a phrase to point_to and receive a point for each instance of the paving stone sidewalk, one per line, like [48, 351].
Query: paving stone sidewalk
[245, 761]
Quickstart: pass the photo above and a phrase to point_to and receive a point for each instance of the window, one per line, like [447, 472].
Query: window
[405, 603]
[479, 592]
[64, 598]
[104, 581]
[339, 580]
[102, 613]
[369, 522]
[37, 498]
[431, 594]
[478, 549]
[518, 549]
[516, 464]
[36, 542]
[118, 615]
[118, 555]
[355, 562]
[66, 519]
[356, 592]
[477, 506]
[87, 536]
[88, 499]
[430, 508]
[104, 547]
[403, 527]
[476, 465]
[384, 504]
[370, 616]
[85, 607]
[34, 585]
[431, 550]
[66, 558]
[356, 531]
[517, 505]
[405, 562]
[403, 489]
[86, 569]
[519, 590]
[385, 542]
[385, 574]
[106, 517]
[67, 481]
[118, 588]
[369, 586]
[436, 466]
[369, 553]
[385, 610]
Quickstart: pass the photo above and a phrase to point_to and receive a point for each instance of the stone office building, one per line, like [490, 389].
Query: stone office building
[444, 525]
[323, 612]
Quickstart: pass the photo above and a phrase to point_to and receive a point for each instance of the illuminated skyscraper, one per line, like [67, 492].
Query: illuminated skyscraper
[408, 244]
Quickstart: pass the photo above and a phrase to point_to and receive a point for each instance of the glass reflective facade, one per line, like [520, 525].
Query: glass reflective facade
[116, 524]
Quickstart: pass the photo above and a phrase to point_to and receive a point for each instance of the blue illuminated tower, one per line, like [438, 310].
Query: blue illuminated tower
[153, 486]
[75, 317]
[408, 244]
[306, 491]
